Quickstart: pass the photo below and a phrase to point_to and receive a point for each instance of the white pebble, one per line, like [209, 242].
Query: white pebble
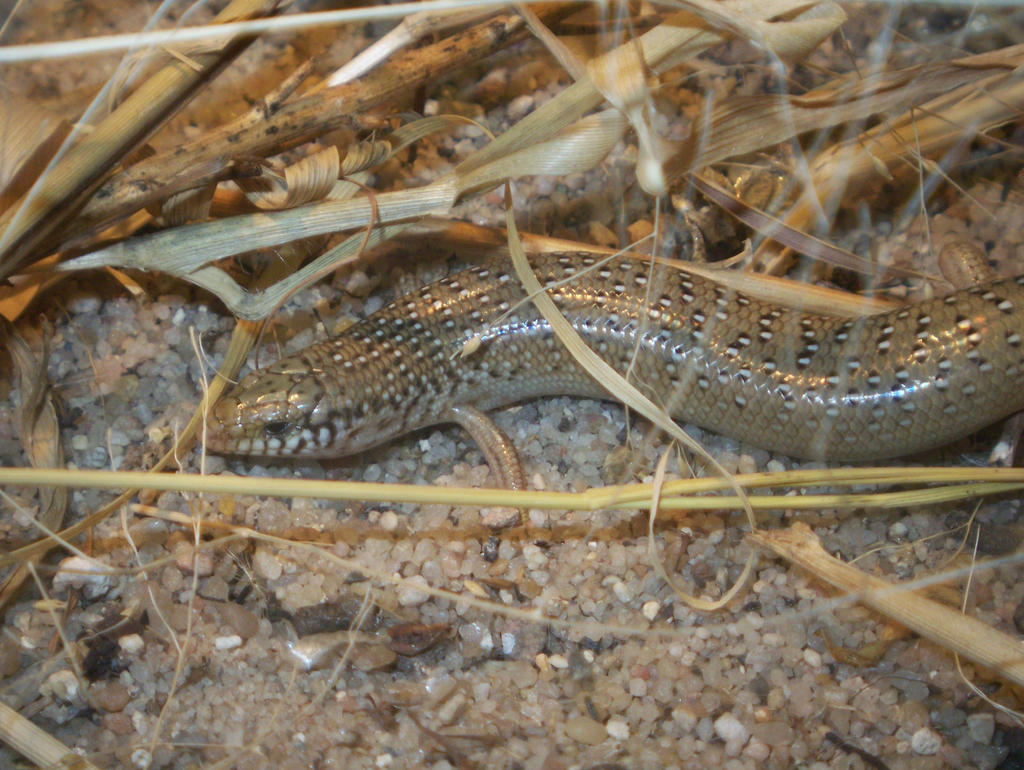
[558, 661]
[732, 731]
[926, 741]
[89, 575]
[812, 657]
[520, 106]
[685, 718]
[622, 592]
[411, 591]
[617, 729]
[227, 642]
[757, 750]
[509, 644]
[84, 305]
[388, 521]
[141, 759]
[61, 685]
[266, 564]
[384, 760]
[535, 556]
[131, 644]
[651, 609]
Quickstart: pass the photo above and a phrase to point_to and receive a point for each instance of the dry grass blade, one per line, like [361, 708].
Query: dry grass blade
[678, 38]
[186, 249]
[37, 745]
[411, 29]
[578, 148]
[784, 234]
[745, 124]
[943, 625]
[77, 173]
[898, 147]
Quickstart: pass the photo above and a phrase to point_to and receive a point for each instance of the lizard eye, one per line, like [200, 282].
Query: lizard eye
[276, 427]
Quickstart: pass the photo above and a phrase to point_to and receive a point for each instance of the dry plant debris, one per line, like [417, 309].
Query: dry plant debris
[362, 614]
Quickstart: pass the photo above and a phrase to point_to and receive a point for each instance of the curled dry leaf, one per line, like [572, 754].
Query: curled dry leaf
[40, 436]
[188, 206]
[31, 137]
[310, 179]
[363, 155]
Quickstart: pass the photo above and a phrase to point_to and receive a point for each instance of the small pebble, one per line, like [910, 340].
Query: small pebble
[558, 661]
[242, 621]
[651, 609]
[131, 644]
[773, 733]
[534, 556]
[622, 592]
[451, 709]
[10, 657]
[637, 687]
[410, 591]
[520, 107]
[118, 723]
[266, 564]
[214, 588]
[586, 730]
[926, 741]
[110, 696]
[61, 685]
[388, 521]
[685, 718]
[227, 642]
[617, 729]
[509, 645]
[812, 657]
[499, 517]
[757, 750]
[84, 305]
[981, 727]
[746, 464]
[89, 575]
[732, 731]
[192, 561]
